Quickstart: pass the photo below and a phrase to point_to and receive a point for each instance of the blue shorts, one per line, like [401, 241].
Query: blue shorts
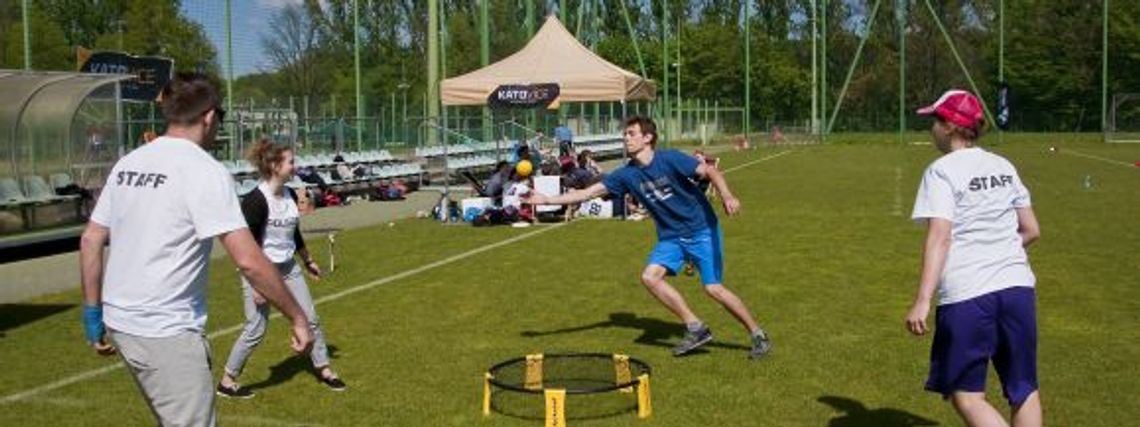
[704, 249]
[999, 326]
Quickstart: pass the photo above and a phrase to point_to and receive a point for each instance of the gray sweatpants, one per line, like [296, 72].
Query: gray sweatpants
[173, 374]
[257, 319]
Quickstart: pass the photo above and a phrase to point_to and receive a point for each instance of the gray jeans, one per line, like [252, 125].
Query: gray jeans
[173, 374]
[257, 319]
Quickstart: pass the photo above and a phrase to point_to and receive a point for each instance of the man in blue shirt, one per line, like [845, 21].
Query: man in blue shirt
[687, 228]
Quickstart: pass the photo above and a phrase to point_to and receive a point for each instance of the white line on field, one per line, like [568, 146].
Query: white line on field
[331, 297]
[762, 159]
[1103, 159]
[232, 329]
[896, 208]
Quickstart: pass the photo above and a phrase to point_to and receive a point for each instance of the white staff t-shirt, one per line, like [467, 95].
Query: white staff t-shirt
[978, 192]
[280, 226]
[163, 203]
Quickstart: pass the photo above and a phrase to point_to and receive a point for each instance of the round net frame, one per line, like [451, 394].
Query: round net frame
[602, 384]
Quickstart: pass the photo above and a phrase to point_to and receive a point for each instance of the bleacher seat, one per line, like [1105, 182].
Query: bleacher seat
[10, 193]
[60, 180]
[39, 191]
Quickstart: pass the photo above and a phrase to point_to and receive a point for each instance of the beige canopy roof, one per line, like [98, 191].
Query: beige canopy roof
[552, 56]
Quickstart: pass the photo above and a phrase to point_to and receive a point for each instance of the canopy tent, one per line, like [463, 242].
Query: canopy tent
[552, 56]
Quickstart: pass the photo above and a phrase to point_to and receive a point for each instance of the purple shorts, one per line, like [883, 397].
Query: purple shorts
[999, 326]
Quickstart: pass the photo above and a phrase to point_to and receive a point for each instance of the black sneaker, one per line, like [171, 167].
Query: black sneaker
[693, 340]
[334, 383]
[761, 345]
[237, 392]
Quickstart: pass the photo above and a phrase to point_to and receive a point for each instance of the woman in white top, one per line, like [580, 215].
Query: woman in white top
[273, 217]
[979, 221]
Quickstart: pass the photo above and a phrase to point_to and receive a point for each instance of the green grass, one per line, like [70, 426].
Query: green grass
[824, 254]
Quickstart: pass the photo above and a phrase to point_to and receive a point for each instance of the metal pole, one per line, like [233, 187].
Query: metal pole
[28, 35]
[962, 65]
[854, 63]
[629, 27]
[814, 68]
[1001, 55]
[1104, 73]
[747, 70]
[433, 67]
[532, 116]
[901, 19]
[392, 125]
[563, 13]
[680, 103]
[823, 70]
[485, 58]
[356, 59]
[230, 75]
[665, 68]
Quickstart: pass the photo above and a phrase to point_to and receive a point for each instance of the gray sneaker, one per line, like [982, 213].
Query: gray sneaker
[761, 346]
[693, 340]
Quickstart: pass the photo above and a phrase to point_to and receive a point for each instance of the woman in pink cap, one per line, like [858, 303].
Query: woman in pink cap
[979, 221]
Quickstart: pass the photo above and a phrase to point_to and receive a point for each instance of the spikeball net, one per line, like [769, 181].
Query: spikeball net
[597, 385]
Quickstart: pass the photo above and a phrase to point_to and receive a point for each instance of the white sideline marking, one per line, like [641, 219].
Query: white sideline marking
[762, 159]
[896, 209]
[100, 371]
[331, 297]
[1103, 159]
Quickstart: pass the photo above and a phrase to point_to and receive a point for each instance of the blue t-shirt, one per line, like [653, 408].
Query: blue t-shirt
[665, 187]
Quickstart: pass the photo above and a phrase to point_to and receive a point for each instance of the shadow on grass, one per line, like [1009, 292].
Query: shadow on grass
[654, 332]
[855, 414]
[286, 369]
[16, 315]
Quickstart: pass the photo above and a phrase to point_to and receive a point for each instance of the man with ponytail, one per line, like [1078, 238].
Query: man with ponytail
[161, 208]
[274, 218]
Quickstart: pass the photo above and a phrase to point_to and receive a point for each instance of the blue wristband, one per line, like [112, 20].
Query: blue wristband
[93, 322]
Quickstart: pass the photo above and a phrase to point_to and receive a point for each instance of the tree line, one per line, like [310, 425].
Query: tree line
[1052, 49]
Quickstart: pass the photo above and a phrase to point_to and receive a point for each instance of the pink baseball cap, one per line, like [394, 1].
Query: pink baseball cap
[958, 107]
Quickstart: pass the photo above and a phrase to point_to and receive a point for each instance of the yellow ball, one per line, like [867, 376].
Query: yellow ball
[524, 168]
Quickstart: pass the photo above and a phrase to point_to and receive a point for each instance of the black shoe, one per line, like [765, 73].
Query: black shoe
[237, 392]
[693, 340]
[334, 383]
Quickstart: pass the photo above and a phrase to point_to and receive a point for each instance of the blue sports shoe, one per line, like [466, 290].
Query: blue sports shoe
[692, 340]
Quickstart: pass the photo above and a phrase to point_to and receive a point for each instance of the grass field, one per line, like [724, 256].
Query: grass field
[824, 253]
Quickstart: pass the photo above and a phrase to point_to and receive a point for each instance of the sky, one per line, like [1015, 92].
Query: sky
[250, 20]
